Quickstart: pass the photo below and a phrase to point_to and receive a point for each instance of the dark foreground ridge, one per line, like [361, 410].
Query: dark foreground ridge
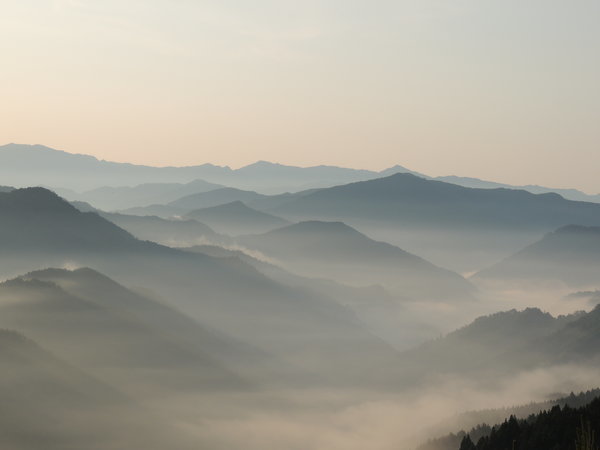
[571, 423]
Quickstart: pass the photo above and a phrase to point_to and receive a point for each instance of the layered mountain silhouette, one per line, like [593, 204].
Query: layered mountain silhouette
[569, 255]
[217, 197]
[26, 165]
[457, 227]
[337, 251]
[236, 218]
[405, 199]
[39, 229]
[118, 198]
[214, 198]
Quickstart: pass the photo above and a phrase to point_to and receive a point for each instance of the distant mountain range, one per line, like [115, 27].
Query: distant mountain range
[460, 228]
[37, 165]
[569, 255]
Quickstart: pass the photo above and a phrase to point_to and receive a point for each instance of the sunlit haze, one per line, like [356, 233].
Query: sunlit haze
[501, 90]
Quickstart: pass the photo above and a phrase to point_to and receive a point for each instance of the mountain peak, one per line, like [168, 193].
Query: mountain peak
[34, 198]
[263, 165]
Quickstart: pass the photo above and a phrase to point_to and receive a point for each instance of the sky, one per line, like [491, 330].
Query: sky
[505, 90]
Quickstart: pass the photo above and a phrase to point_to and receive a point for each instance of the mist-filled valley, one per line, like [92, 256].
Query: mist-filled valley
[291, 308]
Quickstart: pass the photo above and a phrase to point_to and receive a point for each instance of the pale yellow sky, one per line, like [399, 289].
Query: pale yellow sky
[502, 89]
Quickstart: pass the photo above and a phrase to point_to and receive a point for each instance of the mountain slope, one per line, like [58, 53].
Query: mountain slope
[39, 229]
[111, 339]
[339, 252]
[491, 348]
[49, 378]
[35, 387]
[578, 341]
[51, 404]
[236, 218]
[559, 428]
[171, 232]
[569, 255]
[499, 347]
[37, 220]
[92, 286]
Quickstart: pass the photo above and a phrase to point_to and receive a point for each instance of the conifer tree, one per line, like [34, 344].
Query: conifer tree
[467, 443]
[585, 439]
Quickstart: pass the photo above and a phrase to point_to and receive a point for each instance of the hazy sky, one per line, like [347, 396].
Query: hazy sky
[500, 89]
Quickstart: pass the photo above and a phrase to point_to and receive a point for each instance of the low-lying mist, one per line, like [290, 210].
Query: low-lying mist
[336, 419]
